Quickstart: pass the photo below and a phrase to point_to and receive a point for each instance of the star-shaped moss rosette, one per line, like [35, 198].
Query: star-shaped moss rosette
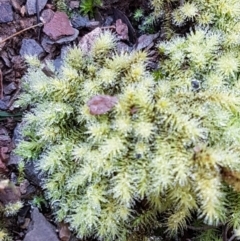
[121, 150]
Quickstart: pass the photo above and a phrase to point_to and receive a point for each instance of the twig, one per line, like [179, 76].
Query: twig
[108, 27]
[232, 237]
[225, 232]
[38, 19]
[1, 85]
[200, 228]
[34, 26]
[13, 98]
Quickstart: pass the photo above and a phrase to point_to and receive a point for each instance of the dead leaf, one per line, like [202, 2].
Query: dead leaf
[122, 29]
[4, 153]
[131, 31]
[64, 232]
[145, 41]
[101, 104]
[9, 192]
[26, 223]
[1, 85]
[232, 178]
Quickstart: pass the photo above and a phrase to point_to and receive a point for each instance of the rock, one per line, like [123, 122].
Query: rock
[3, 105]
[58, 27]
[109, 21]
[58, 63]
[47, 15]
[88, 40]
[48, 45]
[93, 24]
[59, 60]
[65, 39]
[30, 47]
[6, 12]
[32, 174]
[122, 47]
[31, 6]
[40, 229]
[17, 137]
[79, 21]
[10, 88]
[4, 140]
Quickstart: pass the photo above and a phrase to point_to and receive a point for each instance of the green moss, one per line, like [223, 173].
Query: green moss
[88, 6]
[163, 150]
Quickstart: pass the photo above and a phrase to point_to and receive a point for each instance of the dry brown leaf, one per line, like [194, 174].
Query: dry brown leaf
[1, 85]
[9, 192]
[145, 41]
[64, 232]
[122, 29]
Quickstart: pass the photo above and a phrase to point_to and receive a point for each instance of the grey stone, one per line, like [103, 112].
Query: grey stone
[68, 38]
[47, 15]
[93, 24]
[32, 174]
[17, 137]
[30, 47]
[79, 21]
[48, 45]
[3, 105]
[58, 27]
[31, 6]
[63, 39]
[10, 88]
[40, 229]
[13, 159]
[64, 51]
[4, 140]
[6, 12]
[109, 21]
[58, 63]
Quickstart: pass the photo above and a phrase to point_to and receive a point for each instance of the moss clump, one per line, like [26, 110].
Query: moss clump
[161, 150]
[180, 16]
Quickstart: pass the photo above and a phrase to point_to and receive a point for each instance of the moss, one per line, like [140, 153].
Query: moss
[164, 149]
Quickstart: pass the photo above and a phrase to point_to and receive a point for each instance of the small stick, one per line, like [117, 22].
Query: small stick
[13, 98]
[1, 85]
[200, 228]
[233, 237]
[34, 26]
[109, 27]
[38, 19]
